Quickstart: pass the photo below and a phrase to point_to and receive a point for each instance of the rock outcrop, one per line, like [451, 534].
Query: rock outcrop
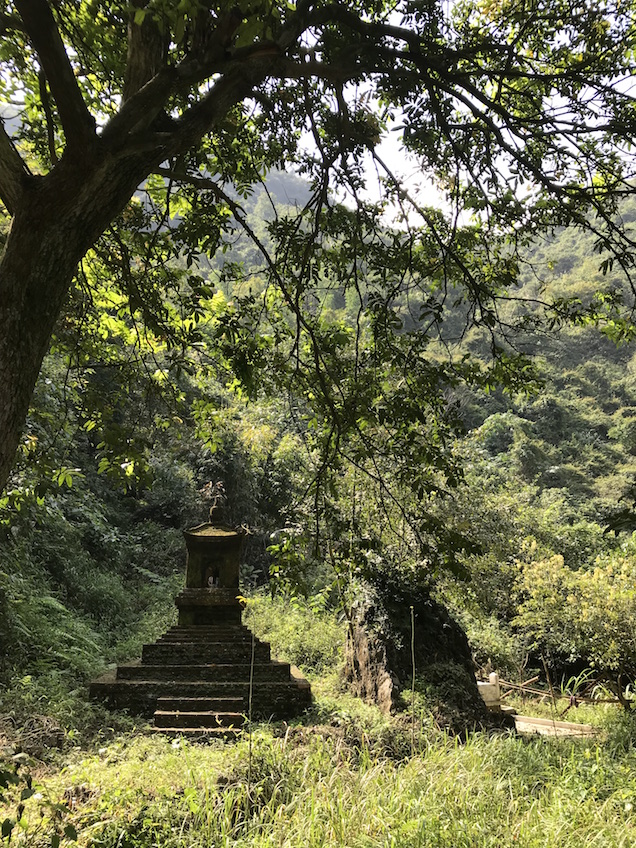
[379, 656]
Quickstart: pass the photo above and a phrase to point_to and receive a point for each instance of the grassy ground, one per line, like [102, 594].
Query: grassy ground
[560, 710]
[344, 775]
[312, 788]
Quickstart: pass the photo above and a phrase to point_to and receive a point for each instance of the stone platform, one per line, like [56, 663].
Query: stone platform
[196, 678]
[196, 684]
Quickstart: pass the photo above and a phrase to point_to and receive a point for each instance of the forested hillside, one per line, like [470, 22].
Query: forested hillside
[409, 384]
[523, 501]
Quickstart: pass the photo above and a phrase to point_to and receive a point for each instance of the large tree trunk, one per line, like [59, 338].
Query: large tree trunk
[35, 274]
[59, 218]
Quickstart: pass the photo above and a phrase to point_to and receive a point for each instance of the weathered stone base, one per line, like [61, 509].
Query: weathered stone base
[198, 677]
[205, 607]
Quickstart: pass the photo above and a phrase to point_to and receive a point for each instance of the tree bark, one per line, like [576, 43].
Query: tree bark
[58, 219]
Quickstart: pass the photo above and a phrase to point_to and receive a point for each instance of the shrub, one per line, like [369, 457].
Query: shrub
[492, 644]
[309, 638]
[583, 615]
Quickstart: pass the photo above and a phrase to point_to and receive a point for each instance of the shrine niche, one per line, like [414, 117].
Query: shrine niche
[212, 576]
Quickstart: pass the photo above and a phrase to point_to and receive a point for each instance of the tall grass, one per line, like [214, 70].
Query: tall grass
[299, 633]
[310, 787]
[345, 776]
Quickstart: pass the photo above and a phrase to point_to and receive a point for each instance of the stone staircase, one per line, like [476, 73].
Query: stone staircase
[196, 679]
[200, 717]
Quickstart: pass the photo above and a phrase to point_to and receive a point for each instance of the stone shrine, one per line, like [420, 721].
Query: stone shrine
[195, 679]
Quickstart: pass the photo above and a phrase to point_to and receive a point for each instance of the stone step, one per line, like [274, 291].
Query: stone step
[211, 625]
[277, 699]
[194, 705]
[207, 719]
[234, 672]
[202, 639]
[236, 624]
[197, 653]
[215, 638]
[200, 733]
[216, 635]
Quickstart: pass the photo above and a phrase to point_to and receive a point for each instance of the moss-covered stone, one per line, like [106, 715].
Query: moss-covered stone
[381, 644]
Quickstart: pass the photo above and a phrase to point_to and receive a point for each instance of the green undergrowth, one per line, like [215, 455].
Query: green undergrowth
[318, 786]
[299, 631]
[46, 694]
[343, 774]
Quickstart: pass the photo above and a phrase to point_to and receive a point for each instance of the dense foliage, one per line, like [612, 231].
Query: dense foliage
[379, 386]
[443, 392]
[113, 469]
[521, 127]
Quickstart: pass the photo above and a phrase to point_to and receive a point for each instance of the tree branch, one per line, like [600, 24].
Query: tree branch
[336, 73]
[12, 172]
[77, 122]
[142, 103]
[146, 52]
[50, 125]
[238, 82]
[10, 22]
[143, 106]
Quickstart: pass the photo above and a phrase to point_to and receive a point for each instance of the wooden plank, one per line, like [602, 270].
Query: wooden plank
[552, 727]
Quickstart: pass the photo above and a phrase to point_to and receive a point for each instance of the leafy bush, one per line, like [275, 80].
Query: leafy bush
[309, 638]
[492, 644]
[39, 632]
[585, 615]
[497, 433]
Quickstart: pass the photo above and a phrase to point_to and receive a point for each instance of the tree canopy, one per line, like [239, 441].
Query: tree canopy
[132, 132]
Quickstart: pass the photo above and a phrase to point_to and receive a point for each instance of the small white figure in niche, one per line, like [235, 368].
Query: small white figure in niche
[213, 579]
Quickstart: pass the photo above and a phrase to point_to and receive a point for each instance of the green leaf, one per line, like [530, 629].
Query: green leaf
[8, 777]
[70, 832]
